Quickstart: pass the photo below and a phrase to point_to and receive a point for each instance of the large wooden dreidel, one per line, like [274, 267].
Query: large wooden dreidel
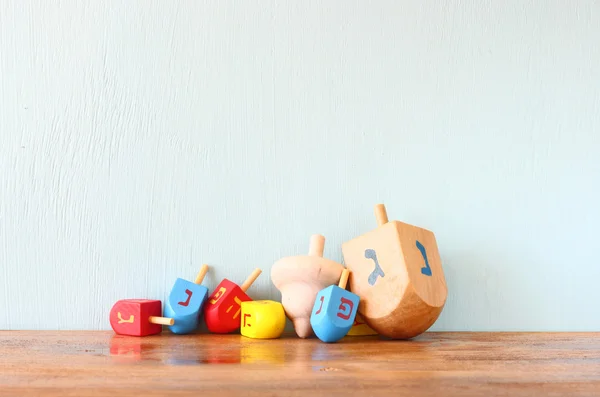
[300, 278]
[138, 317]
[397, 273]
[222, 311]
[334, 311]
[263, 319]
[185, 303]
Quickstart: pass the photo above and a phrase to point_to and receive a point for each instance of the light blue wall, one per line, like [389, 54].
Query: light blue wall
[139, 140]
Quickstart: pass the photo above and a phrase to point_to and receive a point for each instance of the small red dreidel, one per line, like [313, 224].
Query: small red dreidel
[222, 311]
[334, 311]
[138, 317]
[185, 303]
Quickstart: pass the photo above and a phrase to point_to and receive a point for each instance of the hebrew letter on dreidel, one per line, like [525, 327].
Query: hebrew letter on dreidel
[425, 270]
[121, 321]
[218, 295]
[345, 304]
[187, 301]
[378, 272]
[239, 303]
[320, 307]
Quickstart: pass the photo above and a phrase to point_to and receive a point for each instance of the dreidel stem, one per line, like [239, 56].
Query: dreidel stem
[161, 320]
[317, 244]
[251, 279]
[381, 214]
[201, 274]
[344, 279]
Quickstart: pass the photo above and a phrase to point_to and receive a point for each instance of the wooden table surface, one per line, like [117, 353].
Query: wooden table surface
[433, 364]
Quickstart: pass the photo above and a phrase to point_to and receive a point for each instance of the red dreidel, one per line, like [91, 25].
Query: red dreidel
[138, 317]
[222, 311]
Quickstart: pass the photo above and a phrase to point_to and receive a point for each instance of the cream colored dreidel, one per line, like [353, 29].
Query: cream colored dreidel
[262, 319]
[397, 273]
[300, 278]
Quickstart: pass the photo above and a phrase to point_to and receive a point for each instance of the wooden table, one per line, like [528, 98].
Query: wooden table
[433, 364]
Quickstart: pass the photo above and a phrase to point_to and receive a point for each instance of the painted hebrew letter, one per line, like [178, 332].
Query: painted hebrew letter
[320, 307]
[247, 315]
[218, 295]
[189, 296]
[121, 321]
[378, 271]
[425, 270]
[343, 307]
[239, 303]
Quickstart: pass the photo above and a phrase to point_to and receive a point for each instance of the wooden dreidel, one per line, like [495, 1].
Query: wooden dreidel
[222, 311]
[300, 278]
[397, 273]
[334, 311]
[138, 317]
[264, 319]
[185, 303]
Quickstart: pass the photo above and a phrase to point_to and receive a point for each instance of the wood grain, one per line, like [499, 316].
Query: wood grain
[97, 363]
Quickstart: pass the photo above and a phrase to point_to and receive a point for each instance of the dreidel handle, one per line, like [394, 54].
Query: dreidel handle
[251, 279]
[344, 279]
[201, 274]
[317, 245]
[381, 214]
[161, 320]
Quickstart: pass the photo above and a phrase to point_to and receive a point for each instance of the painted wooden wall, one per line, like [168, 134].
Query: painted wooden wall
[141, 139]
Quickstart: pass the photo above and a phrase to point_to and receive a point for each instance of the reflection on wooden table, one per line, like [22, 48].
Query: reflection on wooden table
[451, 364]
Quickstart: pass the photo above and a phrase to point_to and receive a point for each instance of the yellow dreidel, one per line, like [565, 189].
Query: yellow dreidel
[263, 319]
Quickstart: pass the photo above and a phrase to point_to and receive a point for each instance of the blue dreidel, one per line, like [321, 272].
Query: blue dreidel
[334, 311]
[186, 302]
